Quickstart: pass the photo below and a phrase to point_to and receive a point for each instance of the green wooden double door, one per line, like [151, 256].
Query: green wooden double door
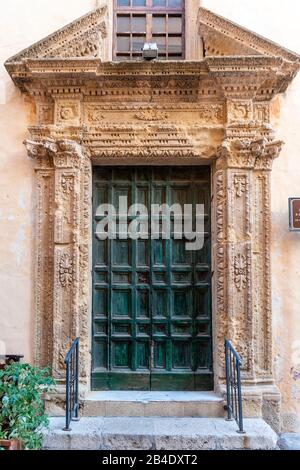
[151, 297]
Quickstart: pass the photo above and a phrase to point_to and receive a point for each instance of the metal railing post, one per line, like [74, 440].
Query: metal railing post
[240, 403]
[72, 384]
[67, 427]
[76, 382]
[234, 406]
[227, 365]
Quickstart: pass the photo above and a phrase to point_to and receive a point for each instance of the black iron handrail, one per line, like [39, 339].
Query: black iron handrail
[72, 384]
[234, 406]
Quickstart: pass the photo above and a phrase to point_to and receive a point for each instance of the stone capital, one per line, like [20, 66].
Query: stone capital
[35, 149]
[248, 154]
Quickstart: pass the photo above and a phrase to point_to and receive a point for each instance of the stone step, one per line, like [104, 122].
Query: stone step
[146, 433]
[162, 404]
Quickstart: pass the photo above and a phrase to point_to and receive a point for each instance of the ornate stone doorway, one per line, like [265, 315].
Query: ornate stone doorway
[215, 110]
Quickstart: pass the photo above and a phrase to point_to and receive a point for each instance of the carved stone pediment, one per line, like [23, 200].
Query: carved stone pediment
[222, 37]
[83, 38]
[80, 39]
[237, 63]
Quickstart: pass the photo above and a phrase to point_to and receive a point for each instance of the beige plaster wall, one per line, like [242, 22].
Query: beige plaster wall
[22, 22]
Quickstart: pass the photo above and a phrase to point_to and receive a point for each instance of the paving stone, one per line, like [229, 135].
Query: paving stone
[289, 441]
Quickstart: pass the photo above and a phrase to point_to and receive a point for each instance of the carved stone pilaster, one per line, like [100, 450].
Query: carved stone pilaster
[262, 332]
[232, 248]
[44, 203]
[242, 253]
[44, 267]
[62, 292]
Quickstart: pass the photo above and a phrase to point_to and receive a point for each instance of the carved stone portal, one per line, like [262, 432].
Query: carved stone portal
[215, 111]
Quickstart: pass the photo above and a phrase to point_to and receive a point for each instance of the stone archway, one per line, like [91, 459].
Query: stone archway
[216, 110]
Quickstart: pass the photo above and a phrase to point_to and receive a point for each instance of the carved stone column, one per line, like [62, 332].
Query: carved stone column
[62, 283]
[242, 290]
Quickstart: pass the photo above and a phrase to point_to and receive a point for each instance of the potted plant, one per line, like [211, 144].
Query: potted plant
[22, 413]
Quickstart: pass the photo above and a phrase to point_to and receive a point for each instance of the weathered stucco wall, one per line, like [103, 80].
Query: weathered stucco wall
[23, 23]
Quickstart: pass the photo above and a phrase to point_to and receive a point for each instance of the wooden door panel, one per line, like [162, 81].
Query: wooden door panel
[151, 298]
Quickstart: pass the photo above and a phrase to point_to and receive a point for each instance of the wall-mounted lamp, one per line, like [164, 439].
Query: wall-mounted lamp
[150, 51]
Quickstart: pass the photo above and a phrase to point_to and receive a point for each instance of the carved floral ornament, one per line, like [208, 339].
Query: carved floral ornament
[240, 271]
[65, 270]
[94, 114]
[240, 111]
[152, 115]
[67, 183]
[68, 112]
[240, 185]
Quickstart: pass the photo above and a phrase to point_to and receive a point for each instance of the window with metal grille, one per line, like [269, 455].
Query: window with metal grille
[140, 21]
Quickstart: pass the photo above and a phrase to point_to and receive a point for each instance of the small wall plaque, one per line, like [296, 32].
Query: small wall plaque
[294, 211]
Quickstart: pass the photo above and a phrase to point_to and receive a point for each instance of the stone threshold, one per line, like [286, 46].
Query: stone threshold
[146, 433]
[149, 396]
[161, 404]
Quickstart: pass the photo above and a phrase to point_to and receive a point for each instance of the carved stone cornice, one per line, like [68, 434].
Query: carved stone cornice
[248, 154]
[234, 77]
[252, 77]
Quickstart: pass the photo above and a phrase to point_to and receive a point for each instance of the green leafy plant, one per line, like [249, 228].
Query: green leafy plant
[22, 413]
